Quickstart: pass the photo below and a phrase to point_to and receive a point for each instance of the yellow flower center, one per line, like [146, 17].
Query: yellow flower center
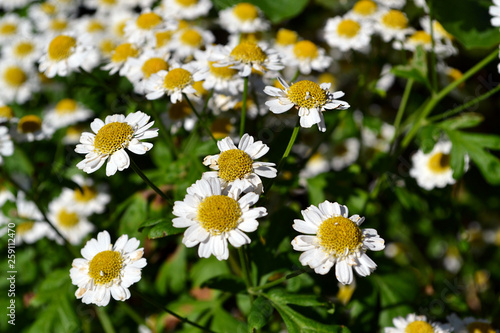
[148, 21]
[305, 50]
[119, 28]
[221, 128]
[365, 7]
[95, 26]
[478, 327]
[86, 194]
[198, 86]
[339, 236]
[439, 163]
[191, 37]
[123, 52]
[23, 48]
[218, 214]
[29, 124]
[440, 30]
[307, 94]
[395, 19]
[455, 74]
[183, 24]
[179, 111]
[252, 37]
[105, 266]
[245, 11]
[67, 219]
[186, 3]
[153, 65]
[74, 131]
[6, 112]
[14, 76]
[48, 8]
[248, 52]
[58, 24]
[108, 2]
[420, 37]
[162, 38]
[419, 327]
[286, 37]
[234, 164]
[8, 29]
[112, 137]
[107, 46]
[24, 227]
[327, 78]
[348, 28]
[66, 106]
[222, 72]
[61, 47]
[177, 78]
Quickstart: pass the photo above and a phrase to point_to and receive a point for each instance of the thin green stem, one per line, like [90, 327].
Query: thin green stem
[402, 105]
[165, 133]
[374, 192]
[106, 324]
[245, 268]
[148, 181]
[207, 129]
[205, 105]
[435, 99]
[295, 76]
[278, 281]
[131, 313]
[244, 107]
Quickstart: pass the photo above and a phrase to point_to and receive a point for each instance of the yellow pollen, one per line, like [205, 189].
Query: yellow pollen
[339, 236]
[107, 46]
[148, 21]
[365, 7]
[222, 72]
[66, 106]
[58, 24]
[29, 124]
[162, 38]
[221, 127]
[305, 50]
[218, 214]
[61, 47]
[105, 266]
[8, 29]
[307, 94]
[48, 8]
[86, 194]
[123, 52]
[234, 164]
[113, 137]
[286, 37]
[119, 28]
[253, 37]
[179, 111]
[67, 219]
[24, 227]
[198, 86]
[153, 65]
[14, 76]
[478, 327]
[6, 112]
[419, 327]
[23, 48]
[348, 28]
[183, 24]
[186, 3]
[420, 37]
[177, 78]
[108, 2]
[440, 30]
[439, 163]
[395, 19]
[248, 52]
[74, 131]
[95, 26]
[246, 11]
[192, 38]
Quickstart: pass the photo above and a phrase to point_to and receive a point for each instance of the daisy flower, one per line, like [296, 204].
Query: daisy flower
[307, 56]
[317, 164]
[332, 238]
[392, 24]
[494, 11]
[9, 5]
[470, 324]
[345, 153]
[379, 141]
[397, 4]
[236, 166]
[142, 28]
[309, 98]
[285, 39]
[416, 324]
[24, 49]
[188, 40]
[347, 34]
[66, 112]
[119, 57]
[6, 145]
[111, 138]
[89, 198]
[243, 17]
[139, 69]
[34, 227]
[185, 9]
[73, 134]
[6, 113]
[434, 169]
[107, 270]
[364, 11]
[180, 115]
[17, 82]
[30, 128]
[214, 216]
[73, 225]
[12, 26]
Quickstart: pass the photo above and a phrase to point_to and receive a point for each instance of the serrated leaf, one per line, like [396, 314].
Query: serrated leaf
[465, 120]
[260, 313]
[416, 69]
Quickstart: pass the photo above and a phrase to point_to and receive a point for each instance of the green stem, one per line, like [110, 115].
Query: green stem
[436, 98]
[402, 106]
[374, 193]
[244, 107]
[148, 181]
[297, 73]
[464, 106]
[278, 281]
[106, 324]
[244, 264]
[131, 313]
[199, 118]
[165, 133]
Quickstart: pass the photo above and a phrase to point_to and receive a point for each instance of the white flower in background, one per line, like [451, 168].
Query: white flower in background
[236, 166]
[332, 238]
[12, 26]
[470, 325]
[6, 144]
[213, 217]
[34, 227]
[347, 33]
[364, 11]
[378, 141]
[417, 324]
[107, 270]
[434, 169]
[317, 164]
[181, 115]
[142, 28]
[6, 113]
[397, 4]
[66, 112]
[441, 36]
[284, 41]
[9, 5]
[422, 4]
[139, 69]
[495, 12]
[72, 225]
[119, 58]
[392, 24]
[386, 80]
[307, 56]
[345, 153]
[66, 54]
[186, 41]
[111, 138]
[185, 9]
[309, 98]
[24, 49]
[18, 82]
[89, 198]
[423, 39]
[30, 128]
[95, 28]
[243, 17]
[103, 6]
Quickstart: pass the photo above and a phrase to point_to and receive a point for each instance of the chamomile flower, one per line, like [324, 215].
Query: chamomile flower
[73, 134]
[185, 9]
[310, 98]
[24, 49]
[89, 198]
[139, 69]
[111, 138]
[307, 56]
[416, 324]
[180, 115]
[174, 82]
[470, 325]
[6, 113]
[103, 6]
[392, 24]
[12, 26]
[66, 54]
[6, 145]
[72, 225]
[364, 10]
[17, 82]
[33, 227]
[494, 11]
[30, 128]
[434, 169]
[379, 141]
[317, 164]
[347, 33]
[186, 41]
[332, 238]
[66, 112]
[243, 17]
[214, 216]
[397, 4]
[423, 39]
[119, 57]
[9, 5]
[285, 40]
[142, 28]
[236, 166]
[345, 153]
[107, 270]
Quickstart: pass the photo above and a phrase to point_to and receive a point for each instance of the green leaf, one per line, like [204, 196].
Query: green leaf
[150, 223]
[229, 283]
[427, 137]
[416, 69]
[302, 300]
[465, 120]
[472, 30]
[134, 213]
[163, 229]
[224, 322]
[259, 314]
[276, 10]
[315, 188]
[173, 273]
[395, 288]
[205, 269]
